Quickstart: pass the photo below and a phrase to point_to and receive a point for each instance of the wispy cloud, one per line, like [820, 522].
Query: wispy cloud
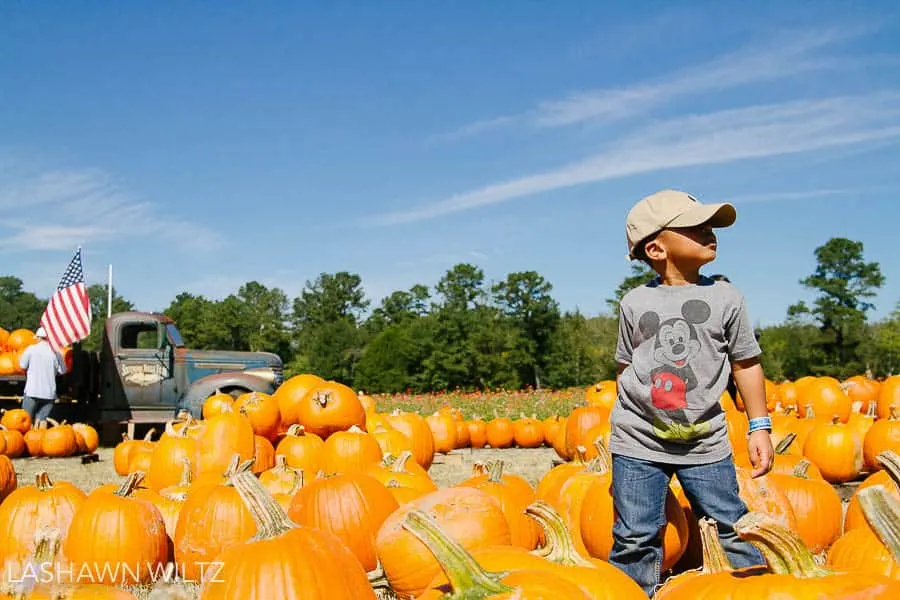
[785, 55]
[58, 209]
[703, 139]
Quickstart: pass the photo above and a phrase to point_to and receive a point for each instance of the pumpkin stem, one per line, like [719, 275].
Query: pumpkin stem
[580, 455]
[377, 577]
[295, 429]
[149, 436]
[46, 545]
[894, 411]
[399, 464]
[558, 547]
[232, 467]
[785, 443]
[130, 484]
[186, 476]
[495, 474]
[322, 398]
[42, 482]
[882, 511]
[784, 551]
[271, 520]
[466, 577]
[835, 419]
[53, 422]
[890, 460]
[802, 469]
[714, 558]
[280, 462]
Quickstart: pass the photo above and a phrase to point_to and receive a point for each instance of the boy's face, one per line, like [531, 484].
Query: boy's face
[685, 246]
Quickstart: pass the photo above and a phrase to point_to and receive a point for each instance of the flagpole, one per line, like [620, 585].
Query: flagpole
[109, 293]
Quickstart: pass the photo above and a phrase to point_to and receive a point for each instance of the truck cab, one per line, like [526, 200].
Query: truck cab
[146, 370]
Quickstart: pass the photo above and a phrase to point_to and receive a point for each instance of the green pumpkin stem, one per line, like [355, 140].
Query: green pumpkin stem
[271, 520]
[399, 464]
[785, 443]
[890, 460]
[602, 463]
[130, 484]
[714, 558]
[468, 580]
[802, 469]
[784, 551]
[882, 511]
[558, 547]
[495, 473]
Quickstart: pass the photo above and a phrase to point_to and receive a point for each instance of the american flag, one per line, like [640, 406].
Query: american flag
[67, 318]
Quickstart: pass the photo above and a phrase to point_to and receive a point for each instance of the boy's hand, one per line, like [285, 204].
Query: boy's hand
[762, 454]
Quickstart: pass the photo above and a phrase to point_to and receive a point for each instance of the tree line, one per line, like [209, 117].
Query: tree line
[465, 334]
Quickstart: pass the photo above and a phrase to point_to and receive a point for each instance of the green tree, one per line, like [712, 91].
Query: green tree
[326, 319]
[525, 299]
[19, 309]
[845, 282]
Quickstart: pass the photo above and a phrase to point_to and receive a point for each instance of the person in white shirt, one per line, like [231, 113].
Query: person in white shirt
[41, 364]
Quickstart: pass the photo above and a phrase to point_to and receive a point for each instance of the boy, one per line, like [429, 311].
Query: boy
[680, 338]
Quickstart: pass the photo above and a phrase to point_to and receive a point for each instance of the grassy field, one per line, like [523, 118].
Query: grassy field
[487, 405]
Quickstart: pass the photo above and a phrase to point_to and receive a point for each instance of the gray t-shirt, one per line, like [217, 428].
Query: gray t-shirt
[678, 342]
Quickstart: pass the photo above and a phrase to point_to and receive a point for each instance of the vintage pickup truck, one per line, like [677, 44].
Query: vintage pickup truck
[144, 374]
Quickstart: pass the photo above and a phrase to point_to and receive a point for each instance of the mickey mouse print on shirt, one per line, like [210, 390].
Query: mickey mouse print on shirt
[675, 345]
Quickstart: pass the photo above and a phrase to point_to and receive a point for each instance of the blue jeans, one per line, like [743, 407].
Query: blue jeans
[37, 408]
[639, 496]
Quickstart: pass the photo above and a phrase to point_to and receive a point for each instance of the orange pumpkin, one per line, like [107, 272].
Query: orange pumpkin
[262, 411]
[218, 439]
[16, 419]
[464, 577]
[513, 494]
[301, 449]
[443, 429]
[331, 407]
[835, 448]
[884, 434]
[120, 532]
[500, 433]
[414, 427]
[352, 506]
[8, 481]
[212, 519]
[292, 393]
[284, 560]
[470, 517]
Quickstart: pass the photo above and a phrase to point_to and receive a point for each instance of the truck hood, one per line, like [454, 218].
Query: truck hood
[201, 363]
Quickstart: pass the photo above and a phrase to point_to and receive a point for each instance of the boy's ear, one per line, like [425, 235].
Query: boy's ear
[649, 323]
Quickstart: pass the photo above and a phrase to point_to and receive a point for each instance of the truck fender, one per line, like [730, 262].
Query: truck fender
[193, 397]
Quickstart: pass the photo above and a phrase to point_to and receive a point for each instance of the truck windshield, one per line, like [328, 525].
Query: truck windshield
[175, 336]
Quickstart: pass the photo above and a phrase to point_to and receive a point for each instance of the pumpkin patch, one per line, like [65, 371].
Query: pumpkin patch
[271, 494]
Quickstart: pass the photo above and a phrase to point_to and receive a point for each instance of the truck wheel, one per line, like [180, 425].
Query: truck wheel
[236, 392]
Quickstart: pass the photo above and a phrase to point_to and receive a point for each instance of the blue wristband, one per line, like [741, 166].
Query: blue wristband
[760, 423]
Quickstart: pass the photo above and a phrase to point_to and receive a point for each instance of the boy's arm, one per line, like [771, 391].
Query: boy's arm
[750, 381]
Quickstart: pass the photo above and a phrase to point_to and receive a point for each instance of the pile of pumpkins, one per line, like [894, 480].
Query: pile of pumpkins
[312, 493]
[49, 438]
[13, 343]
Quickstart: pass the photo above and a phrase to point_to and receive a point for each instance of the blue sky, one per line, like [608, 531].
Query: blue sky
[197, 148]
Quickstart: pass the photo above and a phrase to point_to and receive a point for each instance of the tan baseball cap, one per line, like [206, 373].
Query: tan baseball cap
[672, 208]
